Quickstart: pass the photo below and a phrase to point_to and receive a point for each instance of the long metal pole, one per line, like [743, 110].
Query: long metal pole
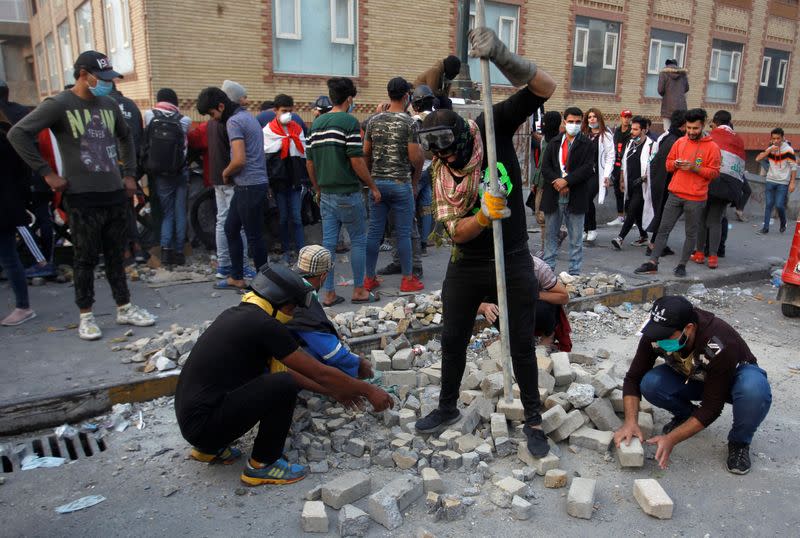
[497, 227]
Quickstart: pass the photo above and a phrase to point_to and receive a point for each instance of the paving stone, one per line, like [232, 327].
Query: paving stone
[559, 398]
[546, 381]
[472, 380]
[492, 385]
[484, 452]
[314, 517]
[386, 505]
[452, 508]
[353, 521]
[403, 359]
[448, 437]
[467, 443]
[652, 498]
[401, 342]
[562, 372]
[512, 486]
[405, 458]
[512, 410]
[544, 362]
[553, 418]
[406, 417]
[580, 499]
[432, 501]
[499, 425]
[314, 494]
[346, 489]
[355, 447]
[578, 358]
[631, 455]
[470, 460]
[574, 420]
[431, 481]
[467, 396]
[381, 361]
[592, 439]
[581, 375]
[471, 416]
[503, 446]
[603, 384]
[646, 424]
[521, 509]
[391, 418]
[400, 378]
[542, 465]
[555, 478]
[580, 395]
[452, 460]
[617, 401]
[500, 497]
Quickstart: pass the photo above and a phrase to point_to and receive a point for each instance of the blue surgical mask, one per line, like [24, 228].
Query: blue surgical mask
[352, 107]
[671, 345]
[102, 88]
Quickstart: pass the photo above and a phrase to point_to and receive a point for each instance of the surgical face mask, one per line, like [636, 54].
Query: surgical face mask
[286, 117]
[636, 139]
[102, 88]
[671, 345]
[352, 106]
[573, 129]
[594, 125]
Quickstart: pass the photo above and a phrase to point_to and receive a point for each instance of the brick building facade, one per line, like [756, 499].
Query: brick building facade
[741, 55]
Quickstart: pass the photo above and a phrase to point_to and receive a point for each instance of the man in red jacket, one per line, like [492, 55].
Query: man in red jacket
[694, 161]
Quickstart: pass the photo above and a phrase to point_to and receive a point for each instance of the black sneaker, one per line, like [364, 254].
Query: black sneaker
[537, 441]
[437, 420]
[680, 270]
[762, 231]
[672, 424]
[391, 269]
[648, 252]
[738, 458]
[783, 228]
[617, 242]
[647, 268]
[667, 252]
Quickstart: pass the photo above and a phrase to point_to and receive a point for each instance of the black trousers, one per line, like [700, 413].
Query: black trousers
[659, 211]
[633, 214]
[546, 317]
[590, 221]
[95, 230]
[267, 400]
[746, 192]
[247, 211]
[619, 195]
[466, 285]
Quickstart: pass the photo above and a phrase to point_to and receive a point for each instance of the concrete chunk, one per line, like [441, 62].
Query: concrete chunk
[314, 518]
[542, 465]
[544, 362]
[546, 381]
[492, 385]
[431, 481]
[646, 424]
[617, 401]
[553, 418]
[631, 455]
[573, 421]
[353, 521]
[400, 378]
[652, 498]
[580, 499]
[520, 508]
[562, 372]
[467, 443]
[512, 410]
[592, 439]
[499, 425]
[580, 395]
[559, 398]
[346, 489]
[512, 486]
[555, 478]
[385, 505]
[403, 359]
[601, 412]
[603, 384]
[381, 361]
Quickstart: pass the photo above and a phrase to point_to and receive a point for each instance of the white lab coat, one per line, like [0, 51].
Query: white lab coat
[644, 162]
[605, 162]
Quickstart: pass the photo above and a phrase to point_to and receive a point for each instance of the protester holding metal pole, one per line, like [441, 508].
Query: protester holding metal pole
[467, 210]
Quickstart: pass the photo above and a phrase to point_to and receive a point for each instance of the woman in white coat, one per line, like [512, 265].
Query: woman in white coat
[594, 127]
[635, 181]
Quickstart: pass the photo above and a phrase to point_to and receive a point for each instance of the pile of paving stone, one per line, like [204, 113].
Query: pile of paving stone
[395, 318]
[166, 351]
[591, 284]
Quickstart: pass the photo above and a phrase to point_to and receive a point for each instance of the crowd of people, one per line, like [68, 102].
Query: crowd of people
[418, 160]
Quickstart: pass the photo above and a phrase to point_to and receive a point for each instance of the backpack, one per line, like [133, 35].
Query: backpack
[164, 144]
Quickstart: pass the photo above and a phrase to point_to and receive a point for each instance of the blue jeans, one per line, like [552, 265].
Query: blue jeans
[425, 203]
[775, 195]
[223, 194]
[750, 395]
[400, 198]
[11, 264]
[346, 210]
[289, 209]
[172, 192]
[574, 223]
[246, 211]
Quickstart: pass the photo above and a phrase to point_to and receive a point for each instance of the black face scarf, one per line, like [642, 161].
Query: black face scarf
[462, 145]
[230, 110]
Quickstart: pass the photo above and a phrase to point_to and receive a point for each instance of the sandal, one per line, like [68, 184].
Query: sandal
[224, 285]
[339, 300]
[373, 298]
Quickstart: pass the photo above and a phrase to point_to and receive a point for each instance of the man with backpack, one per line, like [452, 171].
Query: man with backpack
[164, 160]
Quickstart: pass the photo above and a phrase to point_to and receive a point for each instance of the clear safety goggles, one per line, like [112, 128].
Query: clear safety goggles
[437, 139]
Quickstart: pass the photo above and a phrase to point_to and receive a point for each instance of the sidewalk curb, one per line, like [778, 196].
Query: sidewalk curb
[27, 414]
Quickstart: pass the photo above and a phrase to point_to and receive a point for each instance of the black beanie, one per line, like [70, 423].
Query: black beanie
[168, 95]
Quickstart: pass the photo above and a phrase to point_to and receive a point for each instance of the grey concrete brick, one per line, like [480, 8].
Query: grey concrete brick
[385, 506]
[652, 498]
[592, 439]
[314, 518]
[346, 489]
[601, 412]
[580, 499]
[631, 455]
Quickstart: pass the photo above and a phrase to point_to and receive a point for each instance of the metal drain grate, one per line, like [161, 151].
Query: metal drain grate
[71, 448]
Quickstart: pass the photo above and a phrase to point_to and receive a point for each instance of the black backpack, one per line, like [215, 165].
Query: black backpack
[164, 144]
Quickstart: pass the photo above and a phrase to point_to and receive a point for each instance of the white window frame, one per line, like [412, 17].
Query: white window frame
[126, 24]
[82, 30]
[297, 31]
[783, 68]
[585, 52]
[766, 67]
[108, 23]
[679, 57]
[613, 64]
[351, 30]
[736, 60]
[52, 62]
[650, 69]
[713, 68]
[512, 41]
[65, 45]
[41, 68]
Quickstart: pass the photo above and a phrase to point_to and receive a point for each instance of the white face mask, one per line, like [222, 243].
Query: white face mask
[594, 125]
[573, 129]
[286, 117]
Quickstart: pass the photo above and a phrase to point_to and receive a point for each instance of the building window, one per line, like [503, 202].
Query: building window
[83, 22]
[118, 34]
[504, 20]
[52, 62]
[774, 67]
[723, 71]
[594, 57]
[13, 11]
[315, 37]
[41, 69]
[65, 44]
[664, 45]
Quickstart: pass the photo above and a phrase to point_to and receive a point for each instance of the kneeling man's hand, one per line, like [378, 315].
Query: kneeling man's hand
[665, 445]
[627, 432]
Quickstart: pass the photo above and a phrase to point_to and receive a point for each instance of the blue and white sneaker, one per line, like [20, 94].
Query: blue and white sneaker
[223, 271]
[279, 473]
[249, 272]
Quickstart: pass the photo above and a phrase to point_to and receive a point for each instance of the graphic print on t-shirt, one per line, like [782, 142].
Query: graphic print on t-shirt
[95, 130]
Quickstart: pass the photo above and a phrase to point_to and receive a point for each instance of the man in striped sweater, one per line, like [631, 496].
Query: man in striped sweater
[780, 177]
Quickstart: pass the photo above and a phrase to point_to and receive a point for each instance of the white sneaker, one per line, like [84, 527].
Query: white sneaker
[616, 222]
[591, 237]
[584, 236]
[130, 314]
[88, 329]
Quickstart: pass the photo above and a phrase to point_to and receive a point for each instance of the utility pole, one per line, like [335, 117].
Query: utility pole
[463, 85]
